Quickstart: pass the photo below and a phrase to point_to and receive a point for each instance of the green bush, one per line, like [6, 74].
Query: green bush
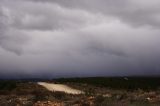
[130, 84]
[59, 95]
[7, 85]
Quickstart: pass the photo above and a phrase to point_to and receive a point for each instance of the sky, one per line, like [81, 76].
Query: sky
[77, 38]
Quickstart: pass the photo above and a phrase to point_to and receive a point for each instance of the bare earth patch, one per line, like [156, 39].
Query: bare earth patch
[60, 87]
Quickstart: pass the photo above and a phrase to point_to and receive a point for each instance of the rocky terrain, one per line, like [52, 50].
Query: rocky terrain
[26, 93]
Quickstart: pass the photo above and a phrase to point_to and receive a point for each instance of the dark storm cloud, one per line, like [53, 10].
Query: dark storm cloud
[79, 37]
[10, 39]
[135, 12]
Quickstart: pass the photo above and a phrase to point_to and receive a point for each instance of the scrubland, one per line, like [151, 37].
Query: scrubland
[98, 91]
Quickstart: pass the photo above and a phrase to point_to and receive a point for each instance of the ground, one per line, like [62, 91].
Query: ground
[29, 93]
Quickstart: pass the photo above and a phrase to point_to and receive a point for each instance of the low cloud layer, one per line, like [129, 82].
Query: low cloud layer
[67, 38]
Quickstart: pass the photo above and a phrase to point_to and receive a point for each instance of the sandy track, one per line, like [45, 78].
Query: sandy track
[60, 87]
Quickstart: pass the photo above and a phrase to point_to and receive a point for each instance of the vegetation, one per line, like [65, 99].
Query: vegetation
[127, 83]
[132, 91]
[7, 85]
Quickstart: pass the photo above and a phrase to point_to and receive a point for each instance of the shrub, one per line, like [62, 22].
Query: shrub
[7, 85]
[59, 95]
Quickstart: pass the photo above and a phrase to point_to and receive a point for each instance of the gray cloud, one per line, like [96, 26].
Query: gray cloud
[79, 38]
[135, 12]
[10, 38]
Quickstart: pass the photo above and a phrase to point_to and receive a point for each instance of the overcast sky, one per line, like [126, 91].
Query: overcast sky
[63, 38]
